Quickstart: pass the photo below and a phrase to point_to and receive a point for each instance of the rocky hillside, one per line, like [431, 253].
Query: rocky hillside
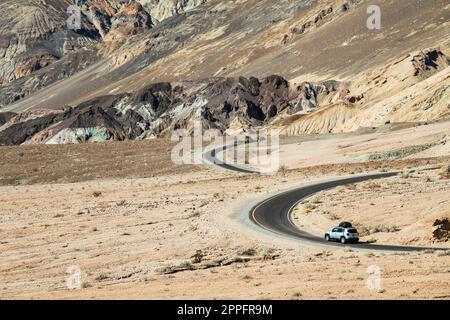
[412, 88]
[141, 68]
[236, 104]
[158, 109]
[34, 35]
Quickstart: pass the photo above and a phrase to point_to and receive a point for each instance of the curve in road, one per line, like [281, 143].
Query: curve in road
[274, 214]
[211, 158]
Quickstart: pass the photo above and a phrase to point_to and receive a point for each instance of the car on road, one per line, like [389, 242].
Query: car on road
[343, 234]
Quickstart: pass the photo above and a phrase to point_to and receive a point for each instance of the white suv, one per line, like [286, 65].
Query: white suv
[342, 234]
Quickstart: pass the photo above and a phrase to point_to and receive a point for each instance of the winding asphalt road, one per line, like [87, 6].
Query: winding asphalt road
[274, 213]
[211, 158]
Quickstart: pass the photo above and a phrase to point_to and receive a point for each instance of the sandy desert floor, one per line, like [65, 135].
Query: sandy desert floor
[180, 234]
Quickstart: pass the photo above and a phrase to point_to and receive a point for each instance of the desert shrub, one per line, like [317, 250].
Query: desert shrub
[101, 277]
[283, 170]
[121, 203]
[316, 200]
[269, 253]
[249, 252]
[405, 175]
[352, 186]
[372, 185]
[366, 231]
[334, 216]
[198, 256]
[445, 172]
[96, 194]
[309, 206]
[196, 214]
[444, 253]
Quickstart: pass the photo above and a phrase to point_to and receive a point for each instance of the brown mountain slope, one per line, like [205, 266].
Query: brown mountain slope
[412, 88]
[225, 38]
[33, 35]
[38, 48]
[396, 74]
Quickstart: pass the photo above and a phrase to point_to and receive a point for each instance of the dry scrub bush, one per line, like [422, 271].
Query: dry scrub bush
[197, 257]
[372, 185]
[445, 173]
[365, 231]
[283, 171]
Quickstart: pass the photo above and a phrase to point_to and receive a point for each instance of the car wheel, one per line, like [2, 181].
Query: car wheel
[327, 237]
[343, 240]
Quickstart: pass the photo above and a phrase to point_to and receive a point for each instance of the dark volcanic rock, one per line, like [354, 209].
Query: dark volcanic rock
[113, 124]
[5, 117]
[20, 132]
[160, 108]
[441, 231]
[427, 62]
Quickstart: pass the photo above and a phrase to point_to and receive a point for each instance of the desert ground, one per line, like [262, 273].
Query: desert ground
[93, 207]
[144, 228]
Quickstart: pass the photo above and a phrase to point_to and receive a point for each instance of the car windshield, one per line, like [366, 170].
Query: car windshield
[352, 231]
